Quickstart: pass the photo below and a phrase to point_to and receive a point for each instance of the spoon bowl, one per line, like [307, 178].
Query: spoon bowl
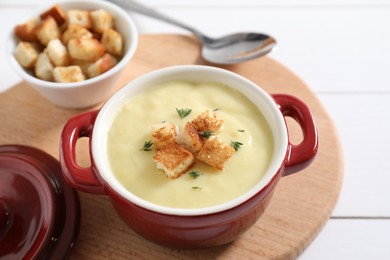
[236, 48]
[229, 49]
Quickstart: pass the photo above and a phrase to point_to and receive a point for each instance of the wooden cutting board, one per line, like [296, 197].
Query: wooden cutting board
[302, 202]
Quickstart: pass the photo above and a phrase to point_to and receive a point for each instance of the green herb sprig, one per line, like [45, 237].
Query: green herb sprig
[194, 174]
[183, 112]
[206, 134]
[196, 188]
[147, 146]
[236, 145]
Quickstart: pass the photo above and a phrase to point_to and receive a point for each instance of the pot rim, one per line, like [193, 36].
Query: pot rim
[252, 91]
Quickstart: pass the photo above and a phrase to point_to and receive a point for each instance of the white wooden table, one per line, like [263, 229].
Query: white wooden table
[341, 49]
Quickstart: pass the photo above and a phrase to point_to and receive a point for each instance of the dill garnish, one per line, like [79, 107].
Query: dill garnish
[196, 188]
[241, 130]
[206, 134]
[236, 145]
[183, 112]
[194, 174]
[147, 146]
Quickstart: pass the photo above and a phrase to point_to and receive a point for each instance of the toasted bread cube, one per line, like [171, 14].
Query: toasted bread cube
[25, 31]
[68, 74]
[189, 138]
[84, 65]
[215, 152]
[174, 160]
[80, 17]
[26, 54]
[85, 49]
[207, 121]
[47, 30]
[75, 31]
[43, 67]
[113, 42]
[101, 20]
[97, 36]
[101, 65]
[57, 13]
[57, 53]
[163, 134]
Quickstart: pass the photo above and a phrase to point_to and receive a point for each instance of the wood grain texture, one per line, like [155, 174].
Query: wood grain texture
[302, 202]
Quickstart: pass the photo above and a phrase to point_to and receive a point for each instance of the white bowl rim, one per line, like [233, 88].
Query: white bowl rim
[99, 153]
[50, 85]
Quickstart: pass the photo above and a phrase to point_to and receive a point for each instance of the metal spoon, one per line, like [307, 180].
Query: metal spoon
[229, 49]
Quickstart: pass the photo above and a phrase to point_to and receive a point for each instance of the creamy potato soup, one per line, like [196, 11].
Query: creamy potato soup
[136, 170]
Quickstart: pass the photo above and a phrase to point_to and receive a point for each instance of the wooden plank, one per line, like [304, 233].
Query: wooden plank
[364, 125]
[301, 205]
[331, 55]
[351, 239]
[234, 3]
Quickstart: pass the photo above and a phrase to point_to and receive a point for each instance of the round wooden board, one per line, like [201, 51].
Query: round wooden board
[302, 202]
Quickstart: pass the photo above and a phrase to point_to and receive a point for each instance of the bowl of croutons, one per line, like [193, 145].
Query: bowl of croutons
[189, 155]
[71, 52]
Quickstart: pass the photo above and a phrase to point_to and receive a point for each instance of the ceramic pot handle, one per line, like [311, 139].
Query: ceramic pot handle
[83, 179]
[299, 156]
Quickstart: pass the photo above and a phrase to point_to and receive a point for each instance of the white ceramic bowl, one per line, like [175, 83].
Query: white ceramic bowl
[91, 91]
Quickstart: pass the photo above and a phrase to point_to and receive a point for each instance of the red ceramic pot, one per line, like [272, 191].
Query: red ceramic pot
[189, 228]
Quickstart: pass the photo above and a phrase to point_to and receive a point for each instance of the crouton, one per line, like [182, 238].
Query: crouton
[26, 54]
[26, 32]
[207, 121]
[74, 31]
[80, 17]
[84, 65]
[57, 13]
[113, 42]
[215, 152]
[96, 36]
[163, 134]
[174, 160]
[43, 67]
[189, 138]
[68, 74]
[101, 65]
[85, 49]
[57, 53]
[101, 21]
[47, 30]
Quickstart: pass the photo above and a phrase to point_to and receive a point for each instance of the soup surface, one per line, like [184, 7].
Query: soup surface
[136, 170]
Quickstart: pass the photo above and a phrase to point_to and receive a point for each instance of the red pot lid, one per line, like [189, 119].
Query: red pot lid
[39, 212]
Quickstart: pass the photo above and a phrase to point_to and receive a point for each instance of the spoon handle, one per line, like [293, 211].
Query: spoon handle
[136, 7]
